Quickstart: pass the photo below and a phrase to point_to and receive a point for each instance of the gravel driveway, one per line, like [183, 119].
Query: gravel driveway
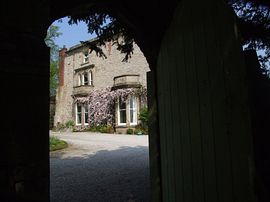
[100, 167]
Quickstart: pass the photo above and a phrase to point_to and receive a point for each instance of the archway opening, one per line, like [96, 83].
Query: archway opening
[101, 112]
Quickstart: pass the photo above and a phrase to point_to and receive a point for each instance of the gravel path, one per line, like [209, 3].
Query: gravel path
[100, 167]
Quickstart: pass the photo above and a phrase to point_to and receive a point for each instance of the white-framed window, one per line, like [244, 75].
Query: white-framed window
[90, 78]
[86, 110]
[78, 114]
[85, 78]
[133, 110]
[79, 79]
[82, 112]
[86, 57]
[122, 112]
[127, 111]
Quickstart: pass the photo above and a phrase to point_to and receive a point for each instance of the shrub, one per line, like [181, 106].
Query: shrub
[110, 129]
[129, 131]
[143, 116]
[103, 128]
[138, 131]
[61, 126]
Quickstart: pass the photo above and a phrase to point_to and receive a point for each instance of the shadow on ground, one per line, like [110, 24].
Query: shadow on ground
[110, 176]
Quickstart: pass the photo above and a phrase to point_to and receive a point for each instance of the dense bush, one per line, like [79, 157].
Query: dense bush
[139, 131]
[129, 131]
[143, 117]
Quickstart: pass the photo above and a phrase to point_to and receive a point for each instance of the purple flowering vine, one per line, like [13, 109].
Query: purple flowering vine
[101, 103]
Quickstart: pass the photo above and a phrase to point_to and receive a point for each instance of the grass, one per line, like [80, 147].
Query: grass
[57, 144]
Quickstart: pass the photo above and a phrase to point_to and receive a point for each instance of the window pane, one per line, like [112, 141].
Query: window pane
[85, 76]
[131, 102]
[79, 113]
[123, 117]
[79, 109]
[132, 110]
[122, 105]
[86, 109]
[86, 114]
[131, 116]
[79, 118]
[90, 78]
[86, 57]
[85, 117]
[79, 80]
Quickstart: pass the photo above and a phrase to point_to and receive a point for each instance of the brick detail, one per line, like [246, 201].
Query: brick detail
[62, 54]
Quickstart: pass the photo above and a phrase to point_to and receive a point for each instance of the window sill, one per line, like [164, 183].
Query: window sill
[83, 85]
[84, 63]
[121, 125]
[84, 66]
[82, 90]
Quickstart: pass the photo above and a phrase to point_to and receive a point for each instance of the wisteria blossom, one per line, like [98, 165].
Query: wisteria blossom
[102, 103]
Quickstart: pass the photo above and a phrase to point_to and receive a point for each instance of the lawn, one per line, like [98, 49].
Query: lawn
[57, 144]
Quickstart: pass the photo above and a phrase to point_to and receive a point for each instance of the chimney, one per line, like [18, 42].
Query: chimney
[62, 55]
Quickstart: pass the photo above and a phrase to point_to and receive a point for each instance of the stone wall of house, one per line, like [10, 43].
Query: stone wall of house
[64, 100]
[103, 71]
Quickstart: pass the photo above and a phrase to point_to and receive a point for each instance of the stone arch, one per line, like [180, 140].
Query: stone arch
[148, 39]
[24, 173]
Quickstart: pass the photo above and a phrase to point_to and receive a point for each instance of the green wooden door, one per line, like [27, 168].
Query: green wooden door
[204, 120]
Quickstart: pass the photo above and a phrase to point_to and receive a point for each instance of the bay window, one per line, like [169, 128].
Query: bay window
[85, 78]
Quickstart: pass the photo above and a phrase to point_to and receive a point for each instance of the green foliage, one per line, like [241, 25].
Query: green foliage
[139, 131]
[253, 21]
[52, 34]
[107, 28]
[53, 77]
[102, 128]
[130, 131]
[143, 116]
[69, 124]
[57, 144]
[142, 128]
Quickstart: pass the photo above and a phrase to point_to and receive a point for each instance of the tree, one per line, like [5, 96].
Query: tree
[254, 23]
[52, 34]
[253, 20]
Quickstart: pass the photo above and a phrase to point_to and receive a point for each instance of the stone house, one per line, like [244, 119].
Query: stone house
[82, 71]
